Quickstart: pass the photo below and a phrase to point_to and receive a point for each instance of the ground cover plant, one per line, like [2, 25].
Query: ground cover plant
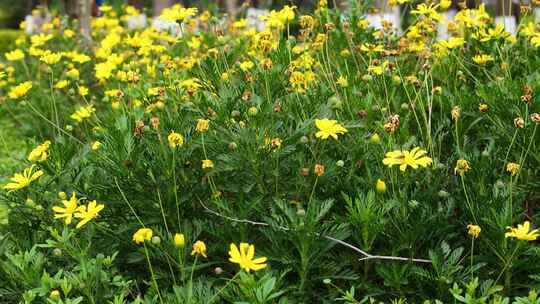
[319, 160]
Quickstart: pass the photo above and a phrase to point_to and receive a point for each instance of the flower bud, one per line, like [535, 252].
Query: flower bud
[54, 295]
[156, 240]
[380, 186]
[179, 240]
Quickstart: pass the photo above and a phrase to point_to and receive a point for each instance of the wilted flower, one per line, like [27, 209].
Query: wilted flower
[319, 170]
[456, 113]
[473, 230]
[462, 166]
[519, 123]
[512, 168]
[535, 117]
[483, 107]
[199, 248]
[40, 153]
[175, 140]
[202, 125]
[207, 164]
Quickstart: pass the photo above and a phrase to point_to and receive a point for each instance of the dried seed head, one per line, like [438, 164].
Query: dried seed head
[519, 123]
[456, 113]
[154, 122]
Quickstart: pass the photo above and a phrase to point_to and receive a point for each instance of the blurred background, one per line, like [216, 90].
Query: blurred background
[13, 12]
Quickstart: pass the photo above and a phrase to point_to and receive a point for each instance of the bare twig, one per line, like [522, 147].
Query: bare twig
[367, 256]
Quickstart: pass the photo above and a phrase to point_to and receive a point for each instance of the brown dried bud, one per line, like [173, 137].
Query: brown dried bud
[246, 96]
[527, 90]
[362, 114]
[154, 122]
[139, 128]
[319, 170]
[304, 172]
[277, 107]
[211, 112]
[526, 98]
[483, 107]
[329, 27]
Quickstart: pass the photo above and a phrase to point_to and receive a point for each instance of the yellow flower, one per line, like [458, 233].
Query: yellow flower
[83, 91]
[246, 65]
[416, 157]
[380, 186]
[179, 240]
[245, 257]
[512, 168]
[199, 248]
[88, 213]
[191, 85]
[342, 82]
[462, 166]
[142, 235]
[207, 164]
[474, 230]
[328, 127]
[82, 113]
[175, 140]
[40, 153]
[61, 84]
[202, 125]
[73, 73]
[96, 145]
[15, 55]
[66, 212]
[482, 59]
[50, 58]
[69, 33]
[20, 90]
[22, 180]
[522, 232]
[445, 4]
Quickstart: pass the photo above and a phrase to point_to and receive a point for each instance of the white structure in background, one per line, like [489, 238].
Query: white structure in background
[35, 21]
[442, 29]
[164, 25]
[390, 15]
[253, 17]
[509, 23]
[136, 22]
